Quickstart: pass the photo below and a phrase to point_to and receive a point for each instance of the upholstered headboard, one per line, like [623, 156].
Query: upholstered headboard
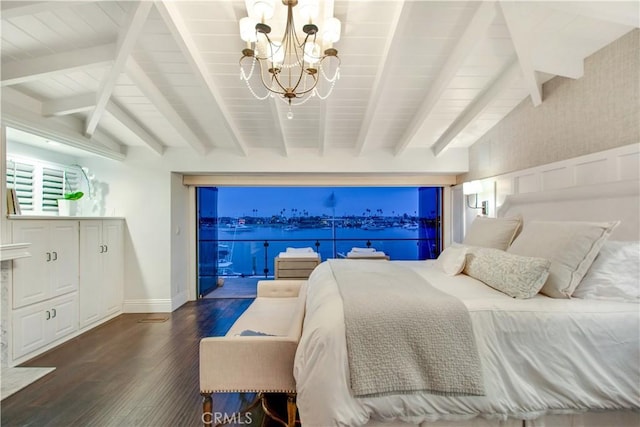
[601, 202]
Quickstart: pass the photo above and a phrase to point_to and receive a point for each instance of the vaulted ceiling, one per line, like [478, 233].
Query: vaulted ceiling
[105, 75]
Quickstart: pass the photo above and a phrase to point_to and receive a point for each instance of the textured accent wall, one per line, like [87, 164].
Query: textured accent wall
[597, 112]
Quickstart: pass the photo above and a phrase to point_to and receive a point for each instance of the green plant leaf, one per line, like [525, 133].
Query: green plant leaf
[74, 196]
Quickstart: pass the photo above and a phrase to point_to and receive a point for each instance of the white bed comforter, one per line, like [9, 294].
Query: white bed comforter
[538, 356]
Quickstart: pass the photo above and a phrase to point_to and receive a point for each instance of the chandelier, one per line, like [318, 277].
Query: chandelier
[290, 68]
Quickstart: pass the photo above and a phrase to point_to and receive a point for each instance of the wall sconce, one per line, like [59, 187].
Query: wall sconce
[473, 188]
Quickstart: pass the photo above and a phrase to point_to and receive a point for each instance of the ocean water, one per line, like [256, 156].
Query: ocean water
[244, 252]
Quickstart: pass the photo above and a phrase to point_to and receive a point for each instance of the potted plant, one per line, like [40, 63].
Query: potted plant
[67, 205]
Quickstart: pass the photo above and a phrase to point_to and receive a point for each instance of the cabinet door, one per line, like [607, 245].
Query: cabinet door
[29, 329]
[38, 325]
[64, 316]
[64, 265]
[113, 259]
[31, 275]
[91, 278]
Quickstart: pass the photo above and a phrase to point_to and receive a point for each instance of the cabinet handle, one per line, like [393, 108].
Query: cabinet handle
[106, 248]
[54, 312]
[48, 315]
[55, 255]
[101, 249]
[48, 256]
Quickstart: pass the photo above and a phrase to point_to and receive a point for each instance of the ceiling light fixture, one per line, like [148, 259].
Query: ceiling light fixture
[292, 67]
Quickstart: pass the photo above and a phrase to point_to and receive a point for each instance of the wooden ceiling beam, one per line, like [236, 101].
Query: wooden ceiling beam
[173, 20]
[399, 20]
[31, 69]
[476, 30]
[477, 106]
[522, 38]
[69, 105]
[126, 41]
[624, 13]
[157, 98]
[126, 120]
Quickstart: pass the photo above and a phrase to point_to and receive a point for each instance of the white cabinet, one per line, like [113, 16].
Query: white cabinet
[37, 325]
[52, 269]
[72, 281]
[101, 269]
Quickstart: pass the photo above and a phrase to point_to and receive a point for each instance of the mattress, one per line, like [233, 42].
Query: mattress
[539, 356]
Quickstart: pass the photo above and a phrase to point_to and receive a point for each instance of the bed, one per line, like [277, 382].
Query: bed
[544, 360]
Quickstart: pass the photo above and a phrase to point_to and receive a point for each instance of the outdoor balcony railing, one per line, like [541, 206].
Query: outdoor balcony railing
[255, 257]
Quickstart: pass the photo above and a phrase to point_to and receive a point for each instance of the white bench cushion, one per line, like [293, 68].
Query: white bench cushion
[269, 316]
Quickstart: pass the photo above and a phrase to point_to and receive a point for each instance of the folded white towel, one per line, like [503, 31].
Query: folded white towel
[300, 250]
[375, 254]
[310, 255]
[364, 250]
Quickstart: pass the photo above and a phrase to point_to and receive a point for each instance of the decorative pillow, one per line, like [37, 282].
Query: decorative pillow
[497, 233]
[451, 261]
[614, 274]
[515, 275]
[570, 246]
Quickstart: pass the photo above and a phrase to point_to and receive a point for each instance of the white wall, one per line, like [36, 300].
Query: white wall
[597, 112]
[180, 250]
[139, 191]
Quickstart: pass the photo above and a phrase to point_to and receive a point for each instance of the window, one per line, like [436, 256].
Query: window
[20, 178]
[39, 184]
[242, 229]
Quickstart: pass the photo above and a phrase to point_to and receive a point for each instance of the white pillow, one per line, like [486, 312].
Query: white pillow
[363, 250]
[515, 275]
[570, 246]
[614, 274]
[451, 261]
[497, 233]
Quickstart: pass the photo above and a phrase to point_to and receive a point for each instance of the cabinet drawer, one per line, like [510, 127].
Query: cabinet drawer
[294, 274]
[296, 265]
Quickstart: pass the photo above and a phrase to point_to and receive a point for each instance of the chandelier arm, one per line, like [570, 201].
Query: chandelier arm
[269, 87]
[302, 71]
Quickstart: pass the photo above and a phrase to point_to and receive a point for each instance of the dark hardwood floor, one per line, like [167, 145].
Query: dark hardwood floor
[128, 373]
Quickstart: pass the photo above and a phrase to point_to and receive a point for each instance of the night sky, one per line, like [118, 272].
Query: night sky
[240, 201]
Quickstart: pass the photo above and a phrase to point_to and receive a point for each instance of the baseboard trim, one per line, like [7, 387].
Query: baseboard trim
[159, 305]
[178, 300]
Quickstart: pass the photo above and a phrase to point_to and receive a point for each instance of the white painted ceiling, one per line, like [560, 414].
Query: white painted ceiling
[104, 75]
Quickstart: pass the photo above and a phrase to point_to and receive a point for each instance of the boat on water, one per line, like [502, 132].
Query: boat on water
[411, 226]
[291, 227]
[372, 226]
[237, 227]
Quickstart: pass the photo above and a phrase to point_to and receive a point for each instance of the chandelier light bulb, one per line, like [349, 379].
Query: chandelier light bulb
[308, 9]
[276, 52]
[331, 30]
[262, 9]
[311, 52]
[248, 30]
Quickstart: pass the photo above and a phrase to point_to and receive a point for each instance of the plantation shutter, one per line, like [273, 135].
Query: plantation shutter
[52, 188]
[20, 177]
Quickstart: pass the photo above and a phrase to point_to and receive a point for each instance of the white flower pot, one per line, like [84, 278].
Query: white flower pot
[67, 207]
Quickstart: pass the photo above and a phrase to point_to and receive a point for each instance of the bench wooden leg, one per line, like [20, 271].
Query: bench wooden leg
[207, 409]
[291, 409]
